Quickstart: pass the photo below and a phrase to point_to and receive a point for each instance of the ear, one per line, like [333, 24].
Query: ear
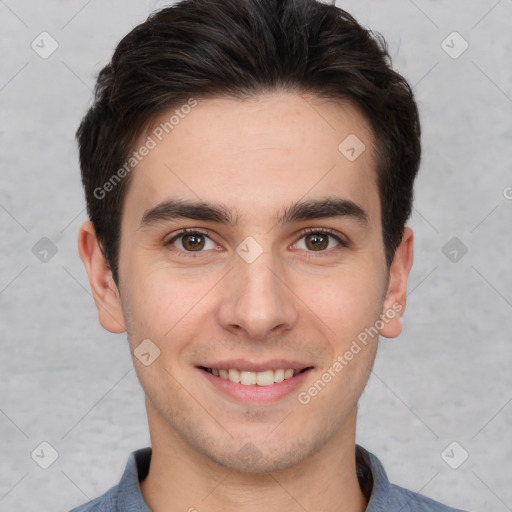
[104, 290]
[394, 302]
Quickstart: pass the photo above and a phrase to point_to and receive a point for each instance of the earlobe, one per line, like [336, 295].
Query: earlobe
[395, 301]
[104, 290]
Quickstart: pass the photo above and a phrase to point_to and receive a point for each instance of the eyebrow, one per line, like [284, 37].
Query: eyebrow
[330, 207]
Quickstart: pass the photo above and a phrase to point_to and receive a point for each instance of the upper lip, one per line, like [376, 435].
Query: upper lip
[249, 366]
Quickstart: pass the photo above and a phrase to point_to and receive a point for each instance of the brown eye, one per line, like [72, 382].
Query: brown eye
[320, 240]
[193, 242]
[317, 241]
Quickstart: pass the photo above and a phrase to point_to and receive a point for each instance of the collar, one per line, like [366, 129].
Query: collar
[370, 472]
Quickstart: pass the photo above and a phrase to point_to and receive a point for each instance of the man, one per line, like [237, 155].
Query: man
[248, 169]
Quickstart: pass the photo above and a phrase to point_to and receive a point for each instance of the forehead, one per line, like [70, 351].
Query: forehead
[260, 153]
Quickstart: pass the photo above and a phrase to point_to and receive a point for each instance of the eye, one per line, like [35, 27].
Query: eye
[312, 240]
[191, 240]
[319, 240]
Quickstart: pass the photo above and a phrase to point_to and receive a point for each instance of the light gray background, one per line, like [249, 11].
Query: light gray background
[447, 378]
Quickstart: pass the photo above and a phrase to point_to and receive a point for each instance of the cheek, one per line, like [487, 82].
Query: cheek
[346, 302]
[162, 304]
[349, 307]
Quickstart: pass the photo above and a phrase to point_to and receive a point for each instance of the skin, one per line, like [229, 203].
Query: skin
[294, 301]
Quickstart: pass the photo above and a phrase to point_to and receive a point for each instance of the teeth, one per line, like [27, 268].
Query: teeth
[248, 378]
[278, 375]
[265, 378]
[288, 374]
[234, 376]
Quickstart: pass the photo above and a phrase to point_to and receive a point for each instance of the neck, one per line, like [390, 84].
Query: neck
[181, 479]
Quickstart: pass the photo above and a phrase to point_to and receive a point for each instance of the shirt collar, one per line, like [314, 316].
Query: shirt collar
[371, 474]
[374, 482]
[129, 497]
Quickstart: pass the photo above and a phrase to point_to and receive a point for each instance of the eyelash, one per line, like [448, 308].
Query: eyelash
[195, 254]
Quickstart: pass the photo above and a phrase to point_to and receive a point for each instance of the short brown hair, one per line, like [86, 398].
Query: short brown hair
[239, 49]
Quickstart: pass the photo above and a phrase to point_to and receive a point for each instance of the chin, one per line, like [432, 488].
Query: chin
[260, 456]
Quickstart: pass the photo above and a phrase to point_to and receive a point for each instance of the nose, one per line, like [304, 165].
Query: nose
[256, 300]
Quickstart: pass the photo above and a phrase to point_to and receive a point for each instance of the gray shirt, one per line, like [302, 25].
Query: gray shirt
[381, 494]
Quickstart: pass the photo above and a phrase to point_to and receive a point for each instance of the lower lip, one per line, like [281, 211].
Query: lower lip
[256, 394]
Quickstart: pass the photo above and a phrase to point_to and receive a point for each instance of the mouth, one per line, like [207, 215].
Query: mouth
[255, 378]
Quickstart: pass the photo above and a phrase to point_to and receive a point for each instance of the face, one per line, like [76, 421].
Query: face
[281, 270]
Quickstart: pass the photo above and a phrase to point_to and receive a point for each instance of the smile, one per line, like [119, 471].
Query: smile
[248, 378]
